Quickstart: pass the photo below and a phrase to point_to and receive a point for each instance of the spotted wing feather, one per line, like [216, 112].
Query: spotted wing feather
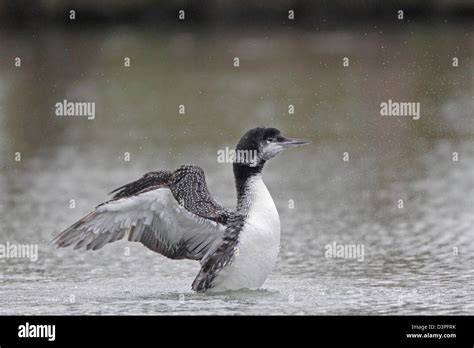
[171, 213]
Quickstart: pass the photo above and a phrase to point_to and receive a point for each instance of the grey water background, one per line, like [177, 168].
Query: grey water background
[418, 260]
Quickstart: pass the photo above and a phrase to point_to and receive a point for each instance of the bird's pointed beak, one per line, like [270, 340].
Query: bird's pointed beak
[292, 142]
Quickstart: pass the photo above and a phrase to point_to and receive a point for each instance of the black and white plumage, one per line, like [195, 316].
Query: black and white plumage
[173, 213]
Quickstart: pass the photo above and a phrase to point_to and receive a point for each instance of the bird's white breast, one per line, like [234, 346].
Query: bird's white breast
[259, 243]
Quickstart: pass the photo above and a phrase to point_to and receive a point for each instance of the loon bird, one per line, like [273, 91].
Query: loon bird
[173, 213]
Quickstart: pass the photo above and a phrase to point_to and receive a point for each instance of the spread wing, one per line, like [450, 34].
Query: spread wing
[169, 212]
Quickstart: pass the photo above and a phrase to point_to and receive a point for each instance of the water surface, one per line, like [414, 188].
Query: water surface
[418, 259]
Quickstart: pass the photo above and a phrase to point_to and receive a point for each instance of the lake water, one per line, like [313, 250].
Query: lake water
[418, 259]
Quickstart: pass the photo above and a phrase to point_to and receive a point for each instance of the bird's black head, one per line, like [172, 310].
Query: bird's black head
[257, 146]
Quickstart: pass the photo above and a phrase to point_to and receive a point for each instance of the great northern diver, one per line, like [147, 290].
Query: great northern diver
[173, 213]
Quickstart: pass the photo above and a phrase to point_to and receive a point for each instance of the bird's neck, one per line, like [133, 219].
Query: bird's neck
[244, 176]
